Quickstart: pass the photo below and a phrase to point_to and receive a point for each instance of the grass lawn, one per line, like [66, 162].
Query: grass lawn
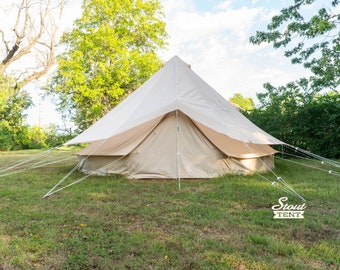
[116, 223]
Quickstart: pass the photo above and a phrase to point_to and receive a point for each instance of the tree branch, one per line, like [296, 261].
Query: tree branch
[4, 41]
[33, 30]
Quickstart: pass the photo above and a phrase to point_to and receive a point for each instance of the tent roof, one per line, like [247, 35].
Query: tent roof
[176, 87]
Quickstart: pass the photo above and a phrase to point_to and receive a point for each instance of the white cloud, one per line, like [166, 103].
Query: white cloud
[216, 43]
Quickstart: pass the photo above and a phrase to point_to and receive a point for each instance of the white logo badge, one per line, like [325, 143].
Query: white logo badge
[288, 211]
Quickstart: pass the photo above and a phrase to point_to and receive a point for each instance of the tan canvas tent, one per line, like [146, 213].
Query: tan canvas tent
[175, 126]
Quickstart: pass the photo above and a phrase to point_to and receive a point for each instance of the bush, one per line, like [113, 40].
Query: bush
[27, 137]
[313, 126]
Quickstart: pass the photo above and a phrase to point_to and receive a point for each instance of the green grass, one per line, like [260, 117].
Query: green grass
[116, 223]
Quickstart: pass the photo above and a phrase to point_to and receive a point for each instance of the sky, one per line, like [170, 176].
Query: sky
[213, 37]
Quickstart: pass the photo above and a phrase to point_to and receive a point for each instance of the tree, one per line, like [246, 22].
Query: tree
[12, 107]
[313, 42]
[109, 53]
[27, 47]
[297, 113]
[28, 34]
[14, 133]
[316, 126]
[246, 104]
[312, 125]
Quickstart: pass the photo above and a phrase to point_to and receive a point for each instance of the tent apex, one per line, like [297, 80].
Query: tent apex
[176, 59]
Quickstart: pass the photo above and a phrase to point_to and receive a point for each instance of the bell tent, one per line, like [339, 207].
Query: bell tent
[175, 126]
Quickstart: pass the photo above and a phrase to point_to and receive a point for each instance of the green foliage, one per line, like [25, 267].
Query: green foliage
[12, 105]
[109, 53]
[14, 133]
[296, 113]
[300, 119]
[12, 102]
[316, 126]
[246, 104]
[27, 137]
[313, 42]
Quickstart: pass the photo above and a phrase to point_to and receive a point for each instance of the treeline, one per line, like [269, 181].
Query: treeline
[28, 137]
[309, 122]
[15, 134]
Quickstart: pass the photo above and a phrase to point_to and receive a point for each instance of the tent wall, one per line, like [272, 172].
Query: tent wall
[235, 148]
[123, 143]
[133, 169]
[155, 156]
